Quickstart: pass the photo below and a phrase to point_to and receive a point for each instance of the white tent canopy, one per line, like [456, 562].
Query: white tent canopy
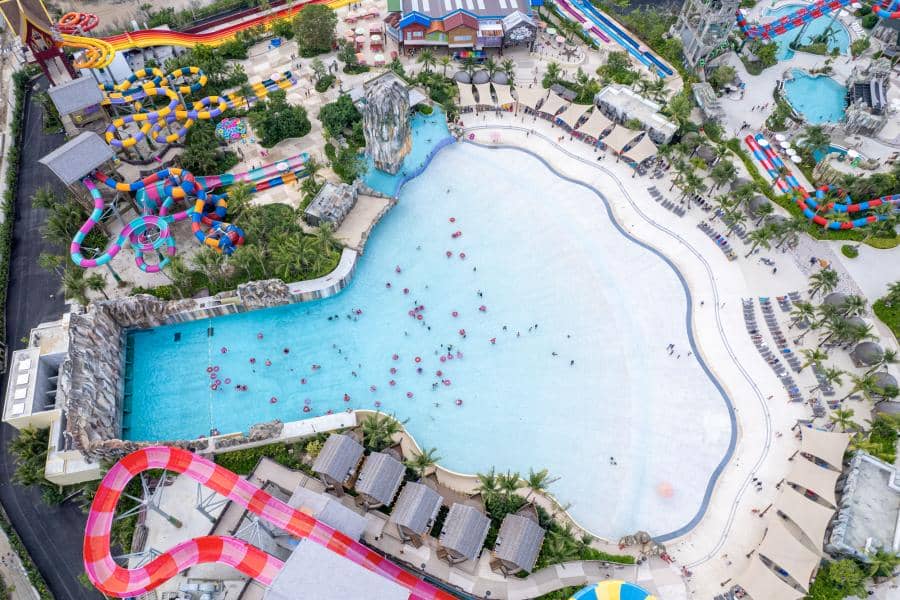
[812, 518]
[530, 97]
[484, 94]
[596, 124]
[572, 113]
[619, 137]
[504, 96]
[825, 445]
[811, 476]
[643, 150]
[552, 104]
[466, 98]
[762, 583]
[789, 553]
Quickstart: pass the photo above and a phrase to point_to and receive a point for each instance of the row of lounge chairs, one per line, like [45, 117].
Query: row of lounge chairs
[667, 204]
[779, 336]
[718, 238]
[738, 230]
[702, 202]
[770, 357]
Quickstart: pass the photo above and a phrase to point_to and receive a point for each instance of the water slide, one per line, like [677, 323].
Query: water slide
[888, 10]
[612, 590]
[99, 52]
[593, 31]
[812, 205]
[114, 580]
[582, 11]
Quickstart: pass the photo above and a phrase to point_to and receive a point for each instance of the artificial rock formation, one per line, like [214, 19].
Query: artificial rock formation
[386, 122]
[264, 294]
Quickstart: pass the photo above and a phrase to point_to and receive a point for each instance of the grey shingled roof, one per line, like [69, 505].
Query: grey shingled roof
[416, 508]
[519, 541]
[867, 353]
[75, 95]
[464, 530]
[338, 457]
[330, 511]
[78, 157]
[380, 477]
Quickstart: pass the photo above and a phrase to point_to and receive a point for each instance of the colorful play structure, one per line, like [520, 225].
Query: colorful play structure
[814, 205]
[231, 130]
[150, 233]
[99, 52]
[156, 124]
[612, 590]
[114, 580]
[890, 9]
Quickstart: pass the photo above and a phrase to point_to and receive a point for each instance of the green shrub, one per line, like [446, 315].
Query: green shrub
[243, 461]
[838, 580]
[425, 109]
[869, 21]
[849, 251]
[859, 45]
[324, 83]
[889, 315]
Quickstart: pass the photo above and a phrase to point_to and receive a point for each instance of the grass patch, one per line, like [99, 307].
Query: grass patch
[849, 251]
[889, 315]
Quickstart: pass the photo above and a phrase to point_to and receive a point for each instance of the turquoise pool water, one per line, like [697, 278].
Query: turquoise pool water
[818, 155]
[819, 99]
[564, 368]
[840, 40]
[427, 132]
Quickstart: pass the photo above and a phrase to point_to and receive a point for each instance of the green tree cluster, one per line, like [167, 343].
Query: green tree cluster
[314, 29]
[275, 120]
[202, 153]
[219, 72]
[617, 69]
[342, 118]
[837, 580]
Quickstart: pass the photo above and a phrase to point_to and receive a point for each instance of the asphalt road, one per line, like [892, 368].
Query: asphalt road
[52, 535]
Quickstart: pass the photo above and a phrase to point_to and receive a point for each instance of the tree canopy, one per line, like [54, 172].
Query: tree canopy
[275, 120]
[314, 29]
[339, 115]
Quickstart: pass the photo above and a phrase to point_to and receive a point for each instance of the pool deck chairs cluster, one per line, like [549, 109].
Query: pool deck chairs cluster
[774, 361]
[667, 204]
[720, 240]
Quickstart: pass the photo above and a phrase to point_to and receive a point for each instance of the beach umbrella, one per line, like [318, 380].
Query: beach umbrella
[462, 77]
[379, 58]
[763, 142]
[360, 31]
[376, 38]
[551, 31]
[785, 144]
[780, 137]
[852, 153]
[500, 78]
[481, 77]
[560, 39]
[796, 159]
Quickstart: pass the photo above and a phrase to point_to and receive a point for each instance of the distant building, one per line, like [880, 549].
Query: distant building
[463, 534]
[518, 542]
[337, 461]
[622, 104]
[331, 205]
[703, 27]
[415, 512]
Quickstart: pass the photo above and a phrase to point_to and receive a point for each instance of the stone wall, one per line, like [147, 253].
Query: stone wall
[386, 122]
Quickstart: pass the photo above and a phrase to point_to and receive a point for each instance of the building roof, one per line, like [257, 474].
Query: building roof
[464, 530]
[627, 102]
[480, 77]
[789, 553]
[339, 456]
[78, 157]
[828, 446]
[460, 19]
[416, 507]
[476, 8]
[620, 137]
[329, 510]
[596, 124]
[643, 150]
[867, 353]
[380, 477]
[739, 182]
[324, 574]
[462, 77]
[75, 95]
[887, 407]
[519, 541]
[809, 475]
[762, 583]
[756, 202]
[516, 18]
[811, 517]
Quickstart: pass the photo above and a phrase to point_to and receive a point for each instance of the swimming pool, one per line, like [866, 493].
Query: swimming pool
[565, 367]
[840, 40]
[428, 132]
[818, 98]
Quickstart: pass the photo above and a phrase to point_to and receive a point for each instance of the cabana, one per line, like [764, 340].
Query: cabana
[518, 542]
[466, 98]
[530, 98]
[337, 461]
[811, 517]
[827, 446]
[573, 114]
[596, 124]
[379, 479]
[762, 583]
[810, 476]
[416, 509]
[552, 105]
[619, 137]
[484, 95]
[789, 553]
[463, 534]
[641, 151]
[504, 97]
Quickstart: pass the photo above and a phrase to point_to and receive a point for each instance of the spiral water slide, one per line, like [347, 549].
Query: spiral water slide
[813, 205]
[99, 52]
[117, 581]
[887, 10]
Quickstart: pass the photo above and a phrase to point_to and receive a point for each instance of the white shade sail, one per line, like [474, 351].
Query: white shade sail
[811, 517]
[762, 583]
[828, 446]
[789, 553]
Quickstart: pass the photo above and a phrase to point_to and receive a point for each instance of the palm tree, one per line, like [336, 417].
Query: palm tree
[508, 483]
[290, 255]
[508, 67]
[789, 230]
[882, 563]
[854, 334]
[488, 485]
[378, 431]
[836, 328]
[759, 238]
[736, 217]
[813, 357]
[854, 306]
[74, 286]
[558, 549]
[181, 275]
[426, 59]
[842, 418]
[539, 481]
[44, 198]
[888, 357]
[29, 449]
[803, 311]
[422, 461]
[682, 169]
[723, 172]
[491, 66]
[763, 211]
[893, 294]
[238, 198]
[325, 239]
[814, 138]
[691, 186]
[96, 283]
[445, 61]
[469, 66]
[867, 384]
[824, 281]
[211, 264]
[828, 377]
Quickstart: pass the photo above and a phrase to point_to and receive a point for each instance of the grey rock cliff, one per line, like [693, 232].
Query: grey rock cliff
[386, 123]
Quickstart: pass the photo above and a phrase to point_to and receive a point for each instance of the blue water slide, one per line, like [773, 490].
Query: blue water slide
[622, 38]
